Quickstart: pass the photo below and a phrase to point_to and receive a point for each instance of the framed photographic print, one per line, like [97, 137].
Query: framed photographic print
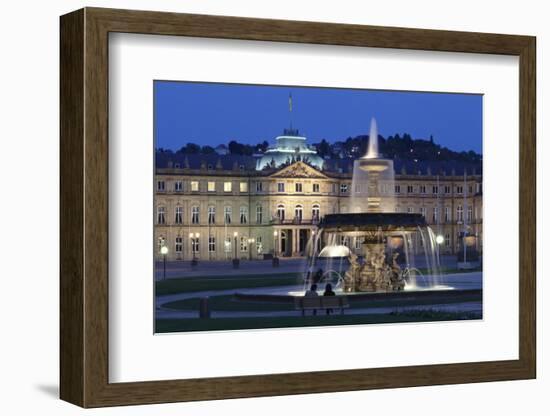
[256, 207]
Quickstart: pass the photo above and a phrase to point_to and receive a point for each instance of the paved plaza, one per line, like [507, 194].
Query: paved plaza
[459, 281]
[182, 269]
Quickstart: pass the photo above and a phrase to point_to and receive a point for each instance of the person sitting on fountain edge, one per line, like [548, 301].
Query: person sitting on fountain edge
[312, 293]
[329, 292]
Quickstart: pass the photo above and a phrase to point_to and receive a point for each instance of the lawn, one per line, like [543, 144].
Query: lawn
[452, 270]
[229, 303]
[181, 325]
[202, 283]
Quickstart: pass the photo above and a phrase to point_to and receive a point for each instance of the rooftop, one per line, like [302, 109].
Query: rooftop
[171, 160]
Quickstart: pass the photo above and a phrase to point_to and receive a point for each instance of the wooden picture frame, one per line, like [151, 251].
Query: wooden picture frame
[84, 207]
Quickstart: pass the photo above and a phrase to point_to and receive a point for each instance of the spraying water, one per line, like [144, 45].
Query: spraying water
[372, 151]
[383, 243]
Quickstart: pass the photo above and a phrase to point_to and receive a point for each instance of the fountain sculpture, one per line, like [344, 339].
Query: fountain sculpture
[373, 248]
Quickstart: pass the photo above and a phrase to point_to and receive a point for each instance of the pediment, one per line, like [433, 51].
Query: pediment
[298, 170]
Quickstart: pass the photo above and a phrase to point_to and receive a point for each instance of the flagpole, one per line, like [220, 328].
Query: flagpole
[290, 109]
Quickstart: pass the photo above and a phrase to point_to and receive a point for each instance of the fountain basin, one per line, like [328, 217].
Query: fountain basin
[374, 165]
[381, 248]
[372, 221]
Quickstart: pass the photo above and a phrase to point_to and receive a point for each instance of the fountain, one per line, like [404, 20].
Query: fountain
[372, 188]
[373, 248]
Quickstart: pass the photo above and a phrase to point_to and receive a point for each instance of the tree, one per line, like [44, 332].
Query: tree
[262, 147]
[323, 148]
[207, 150]
[192, 148]
[235, 148]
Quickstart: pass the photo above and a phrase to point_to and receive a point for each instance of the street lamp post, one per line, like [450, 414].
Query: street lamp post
[235, 259]
[275, 261]
[164, 252]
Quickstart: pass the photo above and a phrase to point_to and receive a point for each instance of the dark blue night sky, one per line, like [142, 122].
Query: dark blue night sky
[212, 114]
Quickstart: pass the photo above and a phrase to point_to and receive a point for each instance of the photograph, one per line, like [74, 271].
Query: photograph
[280, 206]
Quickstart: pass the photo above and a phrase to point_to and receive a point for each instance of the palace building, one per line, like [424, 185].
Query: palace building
[218, 206]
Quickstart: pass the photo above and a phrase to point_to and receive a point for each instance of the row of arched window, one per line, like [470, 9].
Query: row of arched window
[243, 217]
[298, 212]
[211, 215]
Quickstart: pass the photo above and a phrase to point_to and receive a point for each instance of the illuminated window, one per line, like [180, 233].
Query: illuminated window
[160, 215]
[211, 215]
[244, 244]
[211, 186]
[298, 211]
[281, 212]
[460, 213]
[243, 186]
[259, 214]
[195, 245]
[227, 211]
[315, 212]
[243, 215]
[227, 245]
[179, 215]
[259, 246]
[195, 215]
[194, 186]
[227, 186]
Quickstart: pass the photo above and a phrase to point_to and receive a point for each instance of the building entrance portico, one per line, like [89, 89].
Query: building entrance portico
[293, 241]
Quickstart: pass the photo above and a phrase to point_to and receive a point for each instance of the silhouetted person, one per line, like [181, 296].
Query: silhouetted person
[312, 293]
[329, 292]
[318, 276]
